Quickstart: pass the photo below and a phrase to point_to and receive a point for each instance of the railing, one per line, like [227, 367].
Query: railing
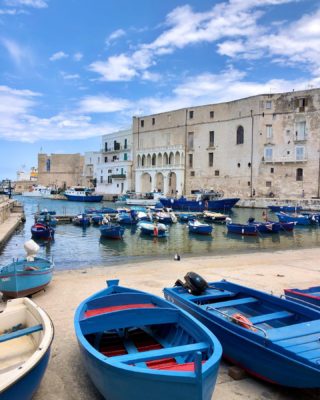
[119, 148]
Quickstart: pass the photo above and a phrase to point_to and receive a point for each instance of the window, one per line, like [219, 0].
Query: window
[239, 165]
[240, 135]
[142, 123]
[153, 161]
[300, 153]
[299, 174]
[269, 131]
[268, 153]
[192, 173]
[116, 145]
[98, 160]
[125, 156]
[211, 114]
[271, 170]
[190, 160]
[106, 146]
[210, 159]
[268, 183]
[190, 114]
[301, 130]
[106, 159]
[48, 165]
[153, 121]
[211, 138]
[190, 140]
[125, 143]
[268, 104]
[216, 172]
[109, 171]
[249, 183]
[101, 179]
[109, 179]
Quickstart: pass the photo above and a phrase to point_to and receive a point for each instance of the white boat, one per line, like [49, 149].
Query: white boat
[26, 334]
[144, 199]
[37, 191]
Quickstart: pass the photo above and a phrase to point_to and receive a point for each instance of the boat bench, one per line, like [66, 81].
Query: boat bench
[268, 317]
[213, 295]
[231, 303]
[20, 332]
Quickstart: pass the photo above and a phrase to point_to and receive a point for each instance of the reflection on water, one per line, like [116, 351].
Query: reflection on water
[76, 247]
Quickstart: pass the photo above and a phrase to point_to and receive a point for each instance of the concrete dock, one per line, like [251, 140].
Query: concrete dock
[11, 217]
[66, 378]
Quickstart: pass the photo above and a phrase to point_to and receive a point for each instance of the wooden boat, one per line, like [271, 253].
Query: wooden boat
[152, 229]
[199, 228]
[185, 217]
[309, 297]
[265, 227]
[96, 219]
[242, 229]
[138, 346]
[125, 218]
[285, 226]
[24, 278]
[210, 216]
[112, 231]
[26, 334]
[272, 338]
[287, 209]
[42, 231]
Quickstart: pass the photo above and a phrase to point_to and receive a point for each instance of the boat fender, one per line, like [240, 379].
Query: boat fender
[155, 231]
[243, 321]
[195, 284]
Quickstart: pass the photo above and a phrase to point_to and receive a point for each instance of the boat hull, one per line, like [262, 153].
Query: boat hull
[240, 229]
[113, 232]
[299, 220]
[225, 204]
[285, 208]
[257, 355]
[86, 199]
[309, 297]
[42, 233]
[200, 229]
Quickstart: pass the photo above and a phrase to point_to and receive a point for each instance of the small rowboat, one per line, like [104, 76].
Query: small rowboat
[153, 229]
[309, 297]
[210, 216]
[242, 229]
[42, 231]
[265, 227]
[201, 229]
[272, 338]
[111, 231]
[299, 219]
[138, 346]
[290, 209]
[81, 220]
[26, 334]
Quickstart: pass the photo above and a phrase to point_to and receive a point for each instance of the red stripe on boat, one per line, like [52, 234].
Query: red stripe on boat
[103, 310]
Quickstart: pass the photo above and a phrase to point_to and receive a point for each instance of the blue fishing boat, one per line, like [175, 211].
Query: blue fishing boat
[125, 218]
[112, 231]
[185, 217]
[211, 201]
[272, 338]
[25, 342]
[82, 194]
[285, 226]
[96, 219]
[299, 219]
[242, 229]
[42, 231]
[287, 209]
[265, 227]
[309, 297]
[81, 220]
[199, 228]
[153, 229]
[102, 210]
[135, 345]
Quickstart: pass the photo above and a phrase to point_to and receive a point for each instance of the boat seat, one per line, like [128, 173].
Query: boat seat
[232, 303]
[268, 317]
[103, 310]
[212, 295]
[20, 332]
[296, 331]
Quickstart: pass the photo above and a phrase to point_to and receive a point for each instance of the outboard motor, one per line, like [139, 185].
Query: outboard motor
[194, 283]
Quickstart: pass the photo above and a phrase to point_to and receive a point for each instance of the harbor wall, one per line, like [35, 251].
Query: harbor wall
[11, 217]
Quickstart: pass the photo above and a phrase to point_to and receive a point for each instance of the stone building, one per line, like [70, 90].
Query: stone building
[261, 145]
[60, 170]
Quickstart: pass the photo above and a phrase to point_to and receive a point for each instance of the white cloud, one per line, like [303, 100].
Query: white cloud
[26, 3]
[116, 68]
[77, 56]
[58, 56]
[114, 36]
[102, 104]
[19, 54]
[67, 76]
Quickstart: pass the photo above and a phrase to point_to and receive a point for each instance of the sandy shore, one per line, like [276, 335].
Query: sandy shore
[66, 378]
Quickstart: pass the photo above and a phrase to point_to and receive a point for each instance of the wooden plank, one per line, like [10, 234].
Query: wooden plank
[231, 303]
[20, 332]
[268, 317]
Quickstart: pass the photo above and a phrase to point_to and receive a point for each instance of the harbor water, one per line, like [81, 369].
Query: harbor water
[75, 247]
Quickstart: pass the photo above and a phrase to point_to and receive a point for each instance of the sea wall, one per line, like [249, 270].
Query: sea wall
[306, 204]
[11, 217]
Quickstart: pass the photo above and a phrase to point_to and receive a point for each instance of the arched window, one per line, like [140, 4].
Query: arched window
[240, 135]
[154, 159]
[143, 161]
[299, 174]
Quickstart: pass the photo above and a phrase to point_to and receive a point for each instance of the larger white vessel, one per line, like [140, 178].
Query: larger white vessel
[37, 191]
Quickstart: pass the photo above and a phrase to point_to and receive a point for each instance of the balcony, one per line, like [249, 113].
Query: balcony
[284, 160]
[116, 149]
[118, 176]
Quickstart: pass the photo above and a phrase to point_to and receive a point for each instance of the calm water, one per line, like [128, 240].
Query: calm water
[75, 247]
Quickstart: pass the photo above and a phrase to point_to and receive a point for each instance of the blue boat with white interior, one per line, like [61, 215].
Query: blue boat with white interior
[112, 231]
[299, 219]
[25, 342]
[242, 229]
[271, 338]
[199, 228]
[82, 194]
[135, 345]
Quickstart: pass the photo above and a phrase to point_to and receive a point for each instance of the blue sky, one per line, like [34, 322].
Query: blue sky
[73, 70]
